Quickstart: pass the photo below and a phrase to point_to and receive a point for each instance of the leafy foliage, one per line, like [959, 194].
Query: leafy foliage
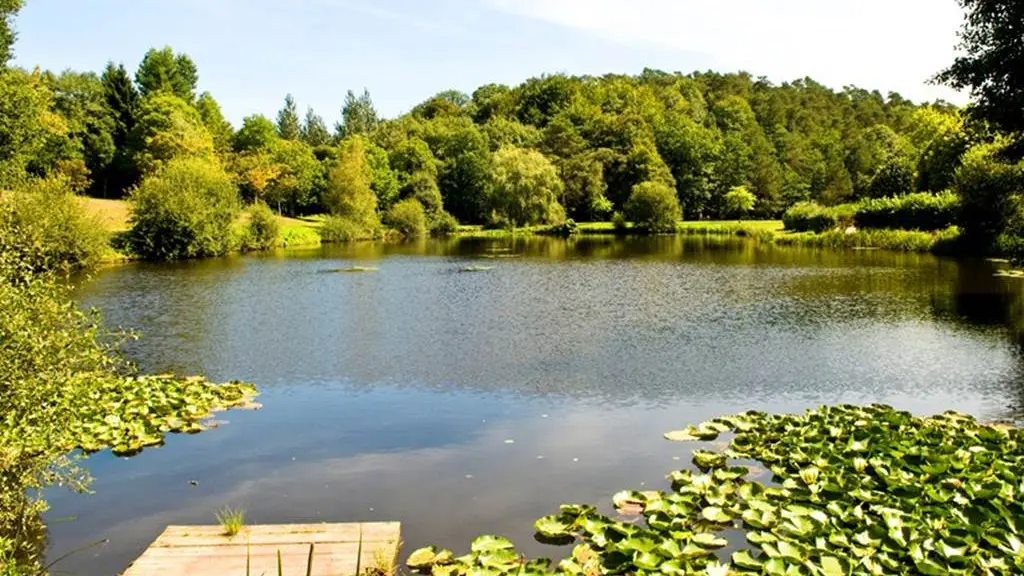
[263, 231]
[653, 206]
[739, 201]
[526, 188]
[853, 490]
[184, 211]
[46, 227]
[348, 191]
[811, 217]
[408, 218]
[920, 211]
[167, 128]
[991, 62]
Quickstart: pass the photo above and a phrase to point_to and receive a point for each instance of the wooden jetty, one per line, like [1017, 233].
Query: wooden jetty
[206, 551]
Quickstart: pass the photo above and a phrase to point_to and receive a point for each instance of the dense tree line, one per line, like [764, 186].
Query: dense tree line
[551, 148]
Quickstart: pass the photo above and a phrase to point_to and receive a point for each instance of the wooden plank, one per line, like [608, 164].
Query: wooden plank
[203, 550]
[279, 534]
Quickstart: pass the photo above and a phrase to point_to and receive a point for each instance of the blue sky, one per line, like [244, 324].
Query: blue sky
[251, 53]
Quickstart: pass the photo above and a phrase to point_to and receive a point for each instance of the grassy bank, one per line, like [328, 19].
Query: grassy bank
[300, 232]
[113, 216]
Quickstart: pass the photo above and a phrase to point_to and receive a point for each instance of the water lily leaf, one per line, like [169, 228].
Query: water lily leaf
[647, 561]
[744, 559]
[706, 460]
[444, 569]
[573, 510]
[715, 514]
[689, 434]
[491, 543]
[421, 558]
[929, 567]
[790, 551]
[709, 540]
[832, 566]
[553, 527]
[629, 503]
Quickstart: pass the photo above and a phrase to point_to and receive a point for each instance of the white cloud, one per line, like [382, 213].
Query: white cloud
[876, 44]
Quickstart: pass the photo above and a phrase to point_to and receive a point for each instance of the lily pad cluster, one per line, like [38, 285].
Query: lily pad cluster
[129, 414]
[853, 490]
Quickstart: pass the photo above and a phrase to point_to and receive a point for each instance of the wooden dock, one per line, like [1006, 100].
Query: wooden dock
[205, 551]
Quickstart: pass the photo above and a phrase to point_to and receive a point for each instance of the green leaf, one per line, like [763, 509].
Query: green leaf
[715, 514]
[709, 540]
[421, 558]
[553, 527]
[491, 543]
[744, 559]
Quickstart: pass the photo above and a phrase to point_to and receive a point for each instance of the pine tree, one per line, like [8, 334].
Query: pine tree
[314, 131]
[288, 126]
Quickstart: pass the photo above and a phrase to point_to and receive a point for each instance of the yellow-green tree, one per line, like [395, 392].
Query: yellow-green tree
[348, 192]
[526, 188]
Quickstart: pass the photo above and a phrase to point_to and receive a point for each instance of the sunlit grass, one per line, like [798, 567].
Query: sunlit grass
[232, 521]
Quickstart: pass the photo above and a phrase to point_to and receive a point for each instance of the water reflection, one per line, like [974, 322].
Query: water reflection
[391, 394]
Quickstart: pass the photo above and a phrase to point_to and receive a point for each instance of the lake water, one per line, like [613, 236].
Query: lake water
[462, 403]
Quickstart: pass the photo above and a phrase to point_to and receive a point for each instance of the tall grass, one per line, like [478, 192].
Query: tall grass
[896, 240]
[922, 211]
[232, 521]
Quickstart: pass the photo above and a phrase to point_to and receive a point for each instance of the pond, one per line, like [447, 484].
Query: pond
[466, 402]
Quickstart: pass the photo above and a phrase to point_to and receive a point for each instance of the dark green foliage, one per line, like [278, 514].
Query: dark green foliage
[444, 224]
[991, 62]
[811, 217]
[80, 99]
[990, 194]
[257, 132]
[263, 231]
[164, 71]
[213, 119]
[895, 177]
[122, 101]
[653, 207]
[288, 125]
[407, 218]
[184, 211]
[921, 211]
[8, 10]
[359, 117]
[314, 130]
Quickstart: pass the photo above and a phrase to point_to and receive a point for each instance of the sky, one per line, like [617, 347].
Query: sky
[251, 53]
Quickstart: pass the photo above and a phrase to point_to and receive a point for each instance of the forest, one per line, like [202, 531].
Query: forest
[656, 147]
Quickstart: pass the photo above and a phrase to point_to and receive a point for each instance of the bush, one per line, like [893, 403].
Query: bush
[654, 207]
[811, 217]
[46, 226]
[739, 201]
[444, 224]
[340, 230]
[263, 231]
[408, 218]
[920, 211]
[619, 222]
[989, 191]
[184, 211]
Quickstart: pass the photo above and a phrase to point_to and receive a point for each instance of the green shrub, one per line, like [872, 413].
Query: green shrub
[408, 218]
[444, 224]
[811, 217]
[619, 222]
[654, 207]
[989, 191]
[263, 231]
[739, 201]
[920, 211]
[184, 211]
[46, 225]
[895, 240]
[340, 230]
